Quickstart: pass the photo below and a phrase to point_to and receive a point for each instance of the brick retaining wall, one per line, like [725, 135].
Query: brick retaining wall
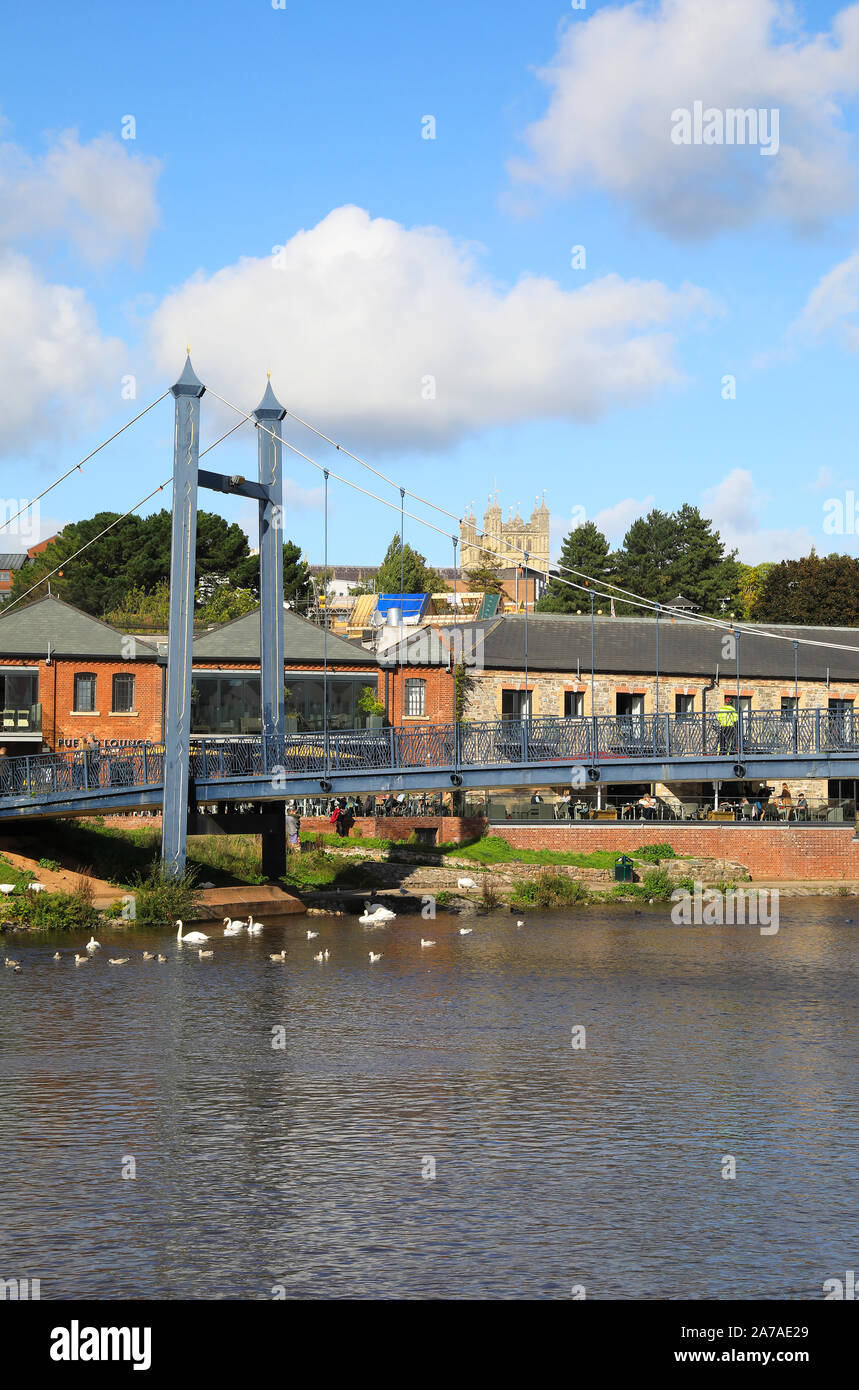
[769, 852]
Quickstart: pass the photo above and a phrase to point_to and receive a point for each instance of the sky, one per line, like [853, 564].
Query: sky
[468, 241]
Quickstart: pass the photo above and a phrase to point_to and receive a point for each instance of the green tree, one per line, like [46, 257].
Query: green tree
[821, 590]
[585, 551]
[297, 588]
[485, 579]
[666, 553]
[224, 604]
[750, 586]
[417, 576]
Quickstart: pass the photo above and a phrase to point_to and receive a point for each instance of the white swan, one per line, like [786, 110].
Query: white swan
[374, 956]
[93, 945]
[311, 935]
[426, 943]
[254, 928]
[379, 910]
[319, 957]
[466, 931]
[193, 936]
[234, 927]
[520, 923]
[465, 883]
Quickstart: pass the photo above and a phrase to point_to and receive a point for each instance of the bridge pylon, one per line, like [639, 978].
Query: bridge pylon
[179, 800]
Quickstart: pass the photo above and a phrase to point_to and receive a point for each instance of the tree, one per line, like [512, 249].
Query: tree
[225, 604]
[750, 586]
[297, 588]
[417, 576]
[585, 550]
[821, 590]
[666, 553]
[485, 579]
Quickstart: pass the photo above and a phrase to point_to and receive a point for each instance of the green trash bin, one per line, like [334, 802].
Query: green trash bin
[623, 869]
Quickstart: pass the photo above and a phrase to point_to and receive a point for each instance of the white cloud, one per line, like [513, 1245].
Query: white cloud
[619, 74]
[97, 196]
[393, 337]
[614, 522]
[832, 307]
[53, 358]
[736, 507]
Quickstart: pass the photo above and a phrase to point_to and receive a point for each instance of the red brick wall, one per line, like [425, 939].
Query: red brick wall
[62, 728]
[768, 852]
[438, 693]
[450, 828]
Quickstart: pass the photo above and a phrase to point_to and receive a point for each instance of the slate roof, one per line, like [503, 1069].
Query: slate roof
[303, 641]
[557, 641]
[29, 630]
[14, 560]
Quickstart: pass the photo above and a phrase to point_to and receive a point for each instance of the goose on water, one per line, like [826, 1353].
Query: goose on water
[279, 955]
[424, 942]
[118, 960]
[160, 959]
[205, 955]
[81, 960]
[233, 928]
[148, 955]
[10, 964]
[194, 937]
[57, 956]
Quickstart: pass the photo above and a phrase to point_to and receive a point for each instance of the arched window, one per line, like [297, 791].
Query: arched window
[416, 698]
[85, 685]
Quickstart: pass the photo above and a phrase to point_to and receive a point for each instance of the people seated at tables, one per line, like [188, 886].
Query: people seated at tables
[648, 806]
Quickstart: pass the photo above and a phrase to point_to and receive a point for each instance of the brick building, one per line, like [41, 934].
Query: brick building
[65, 676]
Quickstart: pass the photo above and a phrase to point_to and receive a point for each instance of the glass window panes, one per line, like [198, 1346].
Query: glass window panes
[415, 697]
[684, 704]
[123, 693]
[515, 704]
[574, 704]
[229, 704]
[85, 686]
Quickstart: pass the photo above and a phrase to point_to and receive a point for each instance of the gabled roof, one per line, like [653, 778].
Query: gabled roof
[13, 560]
[303, 641]
[50, 622]
[438, 646]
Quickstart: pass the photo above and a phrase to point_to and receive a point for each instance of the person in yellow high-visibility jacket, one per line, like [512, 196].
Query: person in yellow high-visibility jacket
[726, 718]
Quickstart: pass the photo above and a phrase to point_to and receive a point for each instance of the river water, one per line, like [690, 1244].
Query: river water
[307, 1169]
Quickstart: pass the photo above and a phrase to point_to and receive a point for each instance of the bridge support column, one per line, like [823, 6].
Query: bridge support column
[269, 414]
[274, 844]
[186, 449]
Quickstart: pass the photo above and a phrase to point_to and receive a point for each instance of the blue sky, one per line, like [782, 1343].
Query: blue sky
[301, 128]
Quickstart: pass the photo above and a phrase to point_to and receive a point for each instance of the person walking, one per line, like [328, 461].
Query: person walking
[726, 718]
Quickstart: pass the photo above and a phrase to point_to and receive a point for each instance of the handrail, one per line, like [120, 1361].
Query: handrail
[584, 740]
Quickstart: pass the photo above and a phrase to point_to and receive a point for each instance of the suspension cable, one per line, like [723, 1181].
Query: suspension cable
[77, 466]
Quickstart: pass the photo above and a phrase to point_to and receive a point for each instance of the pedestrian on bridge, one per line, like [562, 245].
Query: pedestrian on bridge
[726, 718]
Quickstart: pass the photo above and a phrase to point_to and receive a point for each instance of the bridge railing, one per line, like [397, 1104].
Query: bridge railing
[597, 740]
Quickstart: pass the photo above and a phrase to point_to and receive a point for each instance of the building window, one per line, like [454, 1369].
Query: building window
[416, 698]
[684, 704]
[789, 706]
[574, 704]
[123, 694]
[515, 704]
[84, 692]
[745, 705]
[5, 576]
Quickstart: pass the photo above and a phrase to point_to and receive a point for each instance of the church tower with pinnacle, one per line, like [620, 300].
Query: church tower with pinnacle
[503, 540]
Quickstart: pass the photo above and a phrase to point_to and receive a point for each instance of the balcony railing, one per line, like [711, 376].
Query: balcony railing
[21, 722]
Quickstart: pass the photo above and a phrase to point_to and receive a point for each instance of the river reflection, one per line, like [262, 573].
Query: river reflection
[300, 1165]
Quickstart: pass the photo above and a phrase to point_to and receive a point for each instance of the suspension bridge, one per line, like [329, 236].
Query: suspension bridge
[188, 773]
